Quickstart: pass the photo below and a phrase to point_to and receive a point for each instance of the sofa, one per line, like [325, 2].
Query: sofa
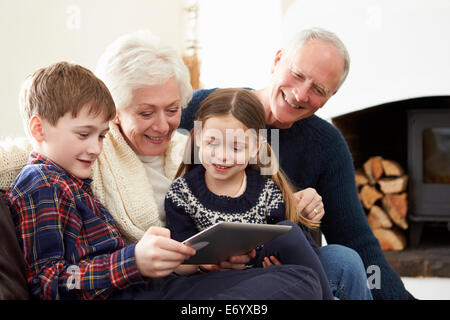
[13, 284]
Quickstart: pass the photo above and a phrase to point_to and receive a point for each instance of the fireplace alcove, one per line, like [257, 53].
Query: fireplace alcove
[393, 131]
[383, 130]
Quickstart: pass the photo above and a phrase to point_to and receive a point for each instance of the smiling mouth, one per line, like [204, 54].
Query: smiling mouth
[86, 162]
[155, 139]
[290, 103]
[221, 168]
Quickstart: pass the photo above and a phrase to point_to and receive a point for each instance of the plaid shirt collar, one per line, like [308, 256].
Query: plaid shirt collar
[37, 158]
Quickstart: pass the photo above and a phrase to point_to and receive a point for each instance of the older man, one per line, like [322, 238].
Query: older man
[314, 154]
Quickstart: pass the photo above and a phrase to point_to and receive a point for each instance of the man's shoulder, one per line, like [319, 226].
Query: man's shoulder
[317, 130]
[188, 113]
[200, 95]
[319, 124]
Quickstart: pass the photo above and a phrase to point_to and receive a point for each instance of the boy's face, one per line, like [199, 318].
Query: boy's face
[75, 143]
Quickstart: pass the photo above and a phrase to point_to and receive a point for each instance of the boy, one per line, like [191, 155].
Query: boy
[70, 241]
[60, 225]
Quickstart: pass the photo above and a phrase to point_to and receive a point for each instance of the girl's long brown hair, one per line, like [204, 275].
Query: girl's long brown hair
[245, 107]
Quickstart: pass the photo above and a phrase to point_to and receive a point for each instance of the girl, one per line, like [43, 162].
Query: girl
[229, 185]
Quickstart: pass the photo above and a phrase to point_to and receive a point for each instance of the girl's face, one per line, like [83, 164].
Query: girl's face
[226, 147]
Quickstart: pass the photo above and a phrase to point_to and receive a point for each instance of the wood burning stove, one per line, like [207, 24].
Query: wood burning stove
[415, 133]
[428, 169]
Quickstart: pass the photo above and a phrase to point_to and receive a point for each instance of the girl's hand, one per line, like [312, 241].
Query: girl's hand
[210, 267]
[238, 262]
[268, 261]
[310, 204]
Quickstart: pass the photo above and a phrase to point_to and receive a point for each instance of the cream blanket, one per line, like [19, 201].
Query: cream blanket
[120, 181]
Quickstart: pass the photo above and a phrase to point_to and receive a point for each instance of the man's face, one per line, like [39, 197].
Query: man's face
[303, 81]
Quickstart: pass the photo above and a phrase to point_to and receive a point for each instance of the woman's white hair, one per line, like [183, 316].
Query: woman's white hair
[299, 39]
[138, 60]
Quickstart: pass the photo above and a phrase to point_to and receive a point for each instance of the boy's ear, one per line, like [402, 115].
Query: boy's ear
[36, 128]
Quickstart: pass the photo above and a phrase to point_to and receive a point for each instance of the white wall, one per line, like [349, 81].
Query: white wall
[399, 49]
[238, 41]
[37, 33]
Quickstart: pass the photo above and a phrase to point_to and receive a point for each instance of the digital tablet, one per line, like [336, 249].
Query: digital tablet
[225, 239]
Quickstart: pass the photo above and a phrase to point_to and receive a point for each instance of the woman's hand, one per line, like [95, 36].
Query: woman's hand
[310, 204]
[157, 255]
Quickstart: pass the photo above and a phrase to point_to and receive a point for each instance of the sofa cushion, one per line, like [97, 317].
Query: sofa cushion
[14, 154]
[12, 264]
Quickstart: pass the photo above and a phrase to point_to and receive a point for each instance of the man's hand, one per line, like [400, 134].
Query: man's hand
[157, 255]
[309, 204]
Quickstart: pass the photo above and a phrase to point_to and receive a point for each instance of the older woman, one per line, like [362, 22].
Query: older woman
[150, 85]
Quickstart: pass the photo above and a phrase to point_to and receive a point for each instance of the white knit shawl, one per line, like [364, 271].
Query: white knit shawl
[120, 181]
[122, 185]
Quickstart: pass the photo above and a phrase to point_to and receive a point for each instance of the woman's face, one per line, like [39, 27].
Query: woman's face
[151, 118]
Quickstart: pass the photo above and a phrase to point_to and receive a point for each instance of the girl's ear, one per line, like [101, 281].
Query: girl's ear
[35, 126]
[198, 138]
[197, 132]
[254, 149]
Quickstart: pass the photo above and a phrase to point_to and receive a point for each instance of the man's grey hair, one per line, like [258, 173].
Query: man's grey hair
[302, 37]
[138, 60]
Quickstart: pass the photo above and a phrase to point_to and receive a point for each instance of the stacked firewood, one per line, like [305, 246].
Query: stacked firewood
[382, 188]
